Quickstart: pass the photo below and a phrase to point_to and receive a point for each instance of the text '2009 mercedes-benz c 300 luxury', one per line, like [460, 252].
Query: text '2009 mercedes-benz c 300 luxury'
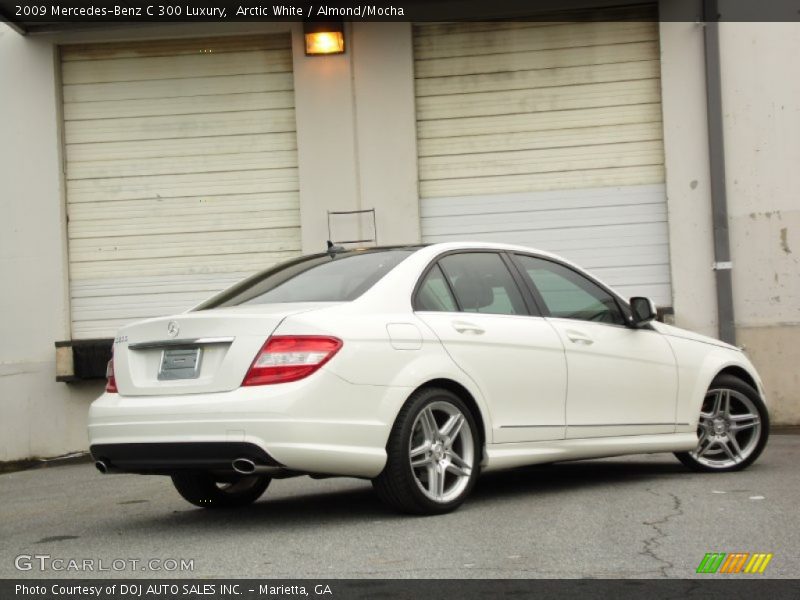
[418, 368]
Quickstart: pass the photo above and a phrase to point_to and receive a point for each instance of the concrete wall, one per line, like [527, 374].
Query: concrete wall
[683, 98]
[38, 417]
[356, 136]
[761, 104]
[357, 141]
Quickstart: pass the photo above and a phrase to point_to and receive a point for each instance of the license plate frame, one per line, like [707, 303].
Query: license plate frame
[180, 363]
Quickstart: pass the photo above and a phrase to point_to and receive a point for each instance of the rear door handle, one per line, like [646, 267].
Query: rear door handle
[578, 337]
[466, 327]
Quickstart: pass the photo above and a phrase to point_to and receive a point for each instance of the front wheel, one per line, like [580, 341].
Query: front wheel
[732, 430]
[208, 491]
[433, 455]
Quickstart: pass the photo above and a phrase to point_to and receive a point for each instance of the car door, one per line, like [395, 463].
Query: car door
[475, 306]
[622, 381]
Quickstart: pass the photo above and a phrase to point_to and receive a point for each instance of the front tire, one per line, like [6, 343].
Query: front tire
[433, 455]
[732, 430]
[207, 491]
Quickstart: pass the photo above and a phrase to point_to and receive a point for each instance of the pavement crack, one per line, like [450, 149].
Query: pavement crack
[652, 543]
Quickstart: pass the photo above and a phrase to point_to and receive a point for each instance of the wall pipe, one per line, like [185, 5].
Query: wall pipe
[719, 199]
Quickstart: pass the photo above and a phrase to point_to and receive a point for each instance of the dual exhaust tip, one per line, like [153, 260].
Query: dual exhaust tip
[243, 466]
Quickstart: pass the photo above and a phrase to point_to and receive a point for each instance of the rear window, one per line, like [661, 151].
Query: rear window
[320, 278]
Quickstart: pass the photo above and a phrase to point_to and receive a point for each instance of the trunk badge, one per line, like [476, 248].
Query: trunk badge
[172, 329]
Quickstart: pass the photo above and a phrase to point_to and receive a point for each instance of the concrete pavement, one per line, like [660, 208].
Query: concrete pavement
[641, 516]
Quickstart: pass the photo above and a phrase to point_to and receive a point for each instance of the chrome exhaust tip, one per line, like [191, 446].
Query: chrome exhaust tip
[243, 466]
[101, 466]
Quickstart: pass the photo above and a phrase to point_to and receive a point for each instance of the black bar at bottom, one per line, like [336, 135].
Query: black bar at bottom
[709, 587]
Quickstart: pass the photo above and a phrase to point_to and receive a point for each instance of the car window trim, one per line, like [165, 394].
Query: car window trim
[622, 306]
[532, 297]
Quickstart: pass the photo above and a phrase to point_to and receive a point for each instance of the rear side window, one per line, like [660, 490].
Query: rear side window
[483, 284]
[314, 279]
[434, 293]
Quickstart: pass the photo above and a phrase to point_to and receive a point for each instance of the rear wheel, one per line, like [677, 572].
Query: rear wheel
[732, 430]
[433, 455]
[209, 491]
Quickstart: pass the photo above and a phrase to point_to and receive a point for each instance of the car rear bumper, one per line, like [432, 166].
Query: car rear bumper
[168, 457]
[322, 424]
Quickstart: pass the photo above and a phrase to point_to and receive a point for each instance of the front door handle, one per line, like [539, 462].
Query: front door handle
[578, 337]
[466, 327]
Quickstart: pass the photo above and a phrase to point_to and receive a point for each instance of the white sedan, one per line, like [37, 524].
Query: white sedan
[416, 367]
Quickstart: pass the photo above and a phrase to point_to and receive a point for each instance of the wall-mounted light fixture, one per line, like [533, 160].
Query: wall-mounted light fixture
[324, 37]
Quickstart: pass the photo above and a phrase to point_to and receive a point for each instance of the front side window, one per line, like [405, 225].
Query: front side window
[482, 283]
[568, 294]
[341, 278]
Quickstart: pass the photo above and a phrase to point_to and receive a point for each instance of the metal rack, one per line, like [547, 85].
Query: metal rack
[339, 213]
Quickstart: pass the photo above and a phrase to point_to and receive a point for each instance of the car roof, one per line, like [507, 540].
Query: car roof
[438, 247]
[466, 245]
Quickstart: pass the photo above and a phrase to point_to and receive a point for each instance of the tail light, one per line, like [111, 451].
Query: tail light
[111, 382]
[289, 358]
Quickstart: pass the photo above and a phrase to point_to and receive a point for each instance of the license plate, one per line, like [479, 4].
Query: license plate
[180, 363]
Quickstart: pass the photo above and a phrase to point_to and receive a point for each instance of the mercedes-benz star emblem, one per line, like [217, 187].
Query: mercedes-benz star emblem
[172, 329]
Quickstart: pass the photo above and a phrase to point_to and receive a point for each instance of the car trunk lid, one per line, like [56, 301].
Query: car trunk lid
[196, 352]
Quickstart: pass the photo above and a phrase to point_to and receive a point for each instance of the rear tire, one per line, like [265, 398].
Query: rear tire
[433, 455]
[733, 428]
[207, 491]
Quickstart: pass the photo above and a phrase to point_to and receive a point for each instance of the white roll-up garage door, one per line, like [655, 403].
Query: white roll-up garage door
[548, 135]
[181, 172]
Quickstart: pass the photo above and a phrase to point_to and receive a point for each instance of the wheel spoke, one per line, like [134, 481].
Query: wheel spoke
[456, 470]
[436, 480]
[727, 449]
[746, 421]
[432, 478]
[420, 462]
[703, 437]
[421, 449]
[428, 422]
[456, 459]
[717, 405]
[701, 452]
[453, 426]
[735, 444]
[725, 403]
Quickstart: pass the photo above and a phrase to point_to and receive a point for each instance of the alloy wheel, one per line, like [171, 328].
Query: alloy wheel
[729, 429]
[441, 451]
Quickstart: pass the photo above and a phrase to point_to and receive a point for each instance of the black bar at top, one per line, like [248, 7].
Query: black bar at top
[25, 15]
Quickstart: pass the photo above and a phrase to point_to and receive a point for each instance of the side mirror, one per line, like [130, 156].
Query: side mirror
[643, 310]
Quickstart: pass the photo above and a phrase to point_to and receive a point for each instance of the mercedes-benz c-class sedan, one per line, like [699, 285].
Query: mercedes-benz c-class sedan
[418, 368]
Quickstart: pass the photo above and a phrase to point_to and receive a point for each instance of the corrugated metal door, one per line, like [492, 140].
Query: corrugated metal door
[181, 172]
[549, 135]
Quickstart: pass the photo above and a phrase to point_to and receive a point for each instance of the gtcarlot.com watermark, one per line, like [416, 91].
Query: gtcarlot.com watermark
[46, 562]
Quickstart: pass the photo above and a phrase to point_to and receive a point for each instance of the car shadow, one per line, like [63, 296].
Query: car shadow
[575, 476]
[311, 510]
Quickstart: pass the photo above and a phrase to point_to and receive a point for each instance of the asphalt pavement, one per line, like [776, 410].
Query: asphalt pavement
[640, 516]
